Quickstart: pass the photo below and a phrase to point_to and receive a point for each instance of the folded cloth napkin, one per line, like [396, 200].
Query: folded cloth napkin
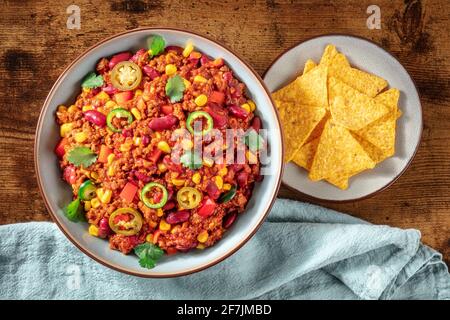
[302, 251]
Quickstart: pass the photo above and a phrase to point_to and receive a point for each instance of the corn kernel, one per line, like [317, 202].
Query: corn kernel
[111, 158]
[171, 69]
[149, 51]
[137, 141]
[164, 226]
[223, 171]
[164, 146]
[200, 79]
[158, 135]
[159, 212]
[200, 246]
[136, 113]
[252, 105]
[188, 49]
[162, 167]
[106, 196]
[103, 96]
[110, 104]
[252, 158]
[95, 203]
[87, 108]
[111, 171]
[187, 144]
[208, 162]
[87, 205]
[246, 107]
[219, 182]
[72, 109]
[80, 137]
[138, 93]
[178, 182]
[86, 90]
[62, 108]
[202, 236]
[187, 84]
[65, 129]
[149, 238]
[94, 175]
[126, 146]
[201, 100]
[93, 230]
[196, 178]
[227, 187]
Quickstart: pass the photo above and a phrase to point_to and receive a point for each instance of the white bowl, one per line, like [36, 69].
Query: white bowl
[368, 56]
[57, 193]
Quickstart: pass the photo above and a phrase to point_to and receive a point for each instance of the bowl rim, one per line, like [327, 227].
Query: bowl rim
[108, 263]
[408, 164]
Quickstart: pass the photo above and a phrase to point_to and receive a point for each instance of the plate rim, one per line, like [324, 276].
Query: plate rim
[419, 142]
[108, 263]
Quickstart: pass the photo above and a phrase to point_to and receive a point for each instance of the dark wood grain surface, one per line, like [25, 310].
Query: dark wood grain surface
[36, 46]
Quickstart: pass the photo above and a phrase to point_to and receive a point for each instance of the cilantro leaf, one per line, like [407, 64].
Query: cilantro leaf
[191, 160]
[253, 140]
[81, 156]
[148, 254]
[156, 45]
[175, 88]
[92, 81]
[74, 211]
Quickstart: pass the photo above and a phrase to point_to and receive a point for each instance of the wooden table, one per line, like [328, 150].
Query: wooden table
[36, 46]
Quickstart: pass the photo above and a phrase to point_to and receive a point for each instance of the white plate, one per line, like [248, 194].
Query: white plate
[364, 55]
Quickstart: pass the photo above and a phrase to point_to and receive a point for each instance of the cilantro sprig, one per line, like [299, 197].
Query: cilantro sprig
[253, 140]
[156, 45]
[92, 80]
[148, 254]
[81, 156]
[74, 211]
[175, 88]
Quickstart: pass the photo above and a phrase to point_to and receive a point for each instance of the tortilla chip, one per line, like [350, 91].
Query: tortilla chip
[317, 132]
[340, 182]
[381, 133]
[374, 152]
[328, 55]
[298, 121]
[309, 89]
[351, 108]
[309, 65]
[305, 155]
[338, 155]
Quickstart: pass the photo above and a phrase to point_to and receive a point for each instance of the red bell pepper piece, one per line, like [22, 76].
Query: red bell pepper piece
[217, 97]
[123, 97]
[128, 192]
[154, 156]
[104, 153]
[59, 150]
[207, 208]
[167, 109]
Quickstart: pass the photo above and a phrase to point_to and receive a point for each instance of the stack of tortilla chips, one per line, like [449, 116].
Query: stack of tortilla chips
[337, 120]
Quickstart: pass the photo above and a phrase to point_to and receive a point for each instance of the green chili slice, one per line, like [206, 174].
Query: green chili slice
[196, 115]
[87, 190]
[118, 113]
[229, 195]
[148, 201]
[125, 226]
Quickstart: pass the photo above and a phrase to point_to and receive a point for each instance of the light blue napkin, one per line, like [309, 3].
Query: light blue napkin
[301, 252]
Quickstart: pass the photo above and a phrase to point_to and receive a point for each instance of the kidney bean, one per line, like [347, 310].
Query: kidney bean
[237, 167]
[137, 55]
[242, 179]
[70, 175]
[218, 114]
[178, 217]
[150, 72]
[109, 89]
[212, 190]
[140, 176]
[145, 140]
[103, 228]
[163, 123]
[229, 219]
[238, 112]
[127, 133]
[177, 49]
[259, 178]
[169, 206]
[237, 92]
[194, 61]
[123, 56]
[256, 123]
[204, 60]
[95, 117]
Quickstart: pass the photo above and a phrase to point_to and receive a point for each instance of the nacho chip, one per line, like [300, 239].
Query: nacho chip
[317, 132]
[298, 121]
[305, 155]
[309, 89]
[381, 133]
[351, 108]
[338, 155]
[340, 182]
[374, 152]
[309, 65]
[328, 55]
